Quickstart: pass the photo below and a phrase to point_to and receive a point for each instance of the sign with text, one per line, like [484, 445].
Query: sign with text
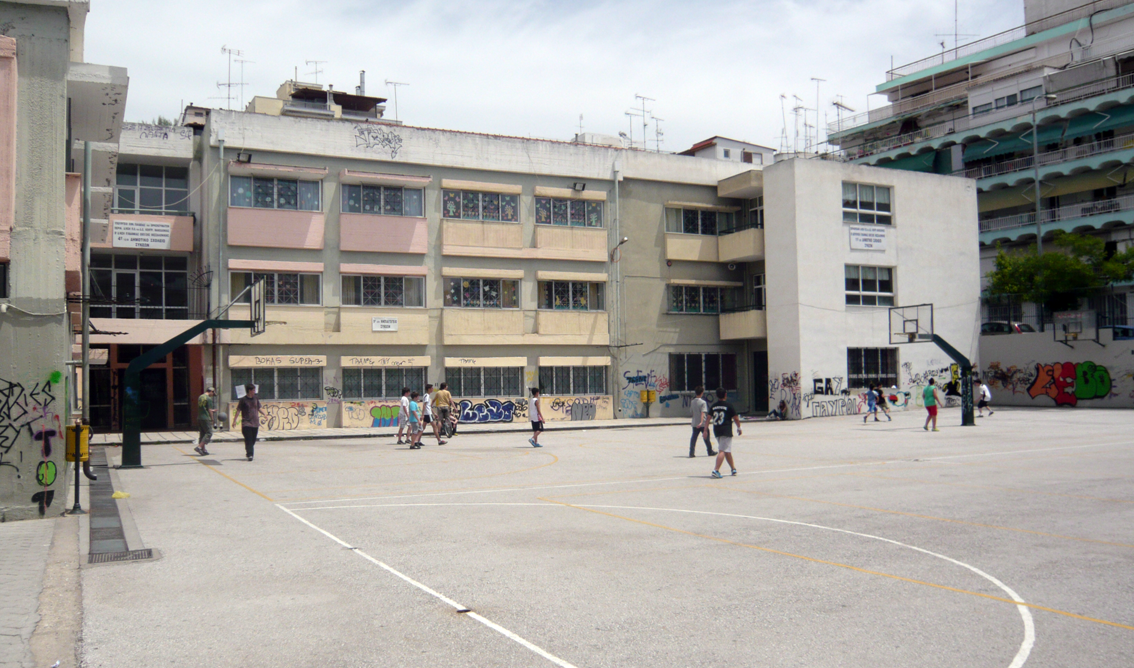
[141, 234]
[867, 238]
[352, 361]
[252, 361]
[382, 324]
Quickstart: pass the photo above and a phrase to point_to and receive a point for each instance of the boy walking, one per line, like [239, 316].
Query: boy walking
[985, 397]
[871, 405]
[700, 423]
[428, 417]
[206, 412]
[403, 415]
[443, 400]
[536, 416]
[414, 422]
[931, 398]
[724, 415]
[249, 409]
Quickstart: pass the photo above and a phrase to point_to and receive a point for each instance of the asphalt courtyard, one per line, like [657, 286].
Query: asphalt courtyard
[838, 544]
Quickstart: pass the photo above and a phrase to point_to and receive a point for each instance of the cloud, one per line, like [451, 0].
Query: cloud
[530, 68]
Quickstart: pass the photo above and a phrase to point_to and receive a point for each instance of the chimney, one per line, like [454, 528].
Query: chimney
[360, 89]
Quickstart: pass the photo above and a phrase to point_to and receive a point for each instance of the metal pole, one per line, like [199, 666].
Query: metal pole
[85, 315]
[1035, 165]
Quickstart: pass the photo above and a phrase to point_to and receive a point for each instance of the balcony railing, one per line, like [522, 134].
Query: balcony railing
[740, 226]
[1050, 157]
[736, 300]
[1069, 212]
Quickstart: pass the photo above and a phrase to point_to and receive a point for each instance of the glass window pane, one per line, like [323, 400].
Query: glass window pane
[414, 291]
[542, 211]
[453, 378]
[451, 204]
[578, 380]
[309, 289]
[264, 193]
[712, 372]
[677, 380]
[352, 290]
[885, 282]
[352, 383]
[150, 199]
[882, 219]
[470, 382]
[127, 175]
[850, 196]
[596, 384]
[883, 196]
[692, 299]
[578, 214]
[853, 284]
[176, 289]
[562, 380]
[561, 294]
[728, 371]
[470, 292]
[393, 383]
[850, 217]
[866, 198]
[470, 206]
[493, 381]
[579, 296]
[309, 195]
[490, 293]
[885, 300]
[311, 383]
[413, 202]
[392, 201]
[709, 223]
[491, 203]
[238, 280]
[352, 199]
[126, 199]
[176, 200]
[596, 303]
[869, 300]
[510, 294]
[393, 293]
[510, 208]
[149, 288]
[693, 375]
[691, 221]
[240, 191]
[371, 199]
[453, 292]
[287, 384]
[372, 387]
[673, 220]
[677, 298]
[149, 262]
[594, 214]
[150, 176]
[371, 290]
[544, 297]
[710, 300]
[265, 381]
[177, 177]
[559, 212]
[287, 194]
[287, 288]
[546, 379]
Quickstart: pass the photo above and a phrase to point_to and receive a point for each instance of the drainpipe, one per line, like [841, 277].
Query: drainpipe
[616, 275]
[86, 275]
[222, 270]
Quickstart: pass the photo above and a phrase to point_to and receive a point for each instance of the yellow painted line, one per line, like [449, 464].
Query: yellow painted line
[926, 517]
[846, 566]
[992, 487]
[221, 473]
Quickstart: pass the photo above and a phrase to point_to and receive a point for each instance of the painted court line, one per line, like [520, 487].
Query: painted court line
[457, 606]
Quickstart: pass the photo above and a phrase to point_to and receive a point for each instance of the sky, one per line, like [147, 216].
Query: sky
[532, 67]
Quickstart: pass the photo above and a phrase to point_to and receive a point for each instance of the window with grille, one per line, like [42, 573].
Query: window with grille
[872, 366]
[279, 288]
[696, 221]
[709, 370]
[151, 189]
[694, 299]
[572, 380]
[469, 205]
[571, 295]
[383, 200]
[282, 383]
[482, 293]
[577, 213]
[869, 286]
[375, 383]
[387, 291]
[147, 287]
[266, 193]
[503, 381]
[866, 204]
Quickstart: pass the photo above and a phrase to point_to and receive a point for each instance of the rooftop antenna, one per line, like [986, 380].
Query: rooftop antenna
[783, 133]
[242, 84]
[631, 114]
[957, 34]
[228, 86]
[817, 81]
[840, 107]
[580, 124]
[645, 119]
[317, 71]
[395, 84]
[658, 134]
[795, 110]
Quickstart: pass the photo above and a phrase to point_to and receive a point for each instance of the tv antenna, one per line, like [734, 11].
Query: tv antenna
[645, 119]
[783, 133]
[228, 86]
[242, 84]
[817, 81]
[632, 114]
[840, 107]
[395, 84]
[317, 71]
[580, 124]
[658, 134]
[957, 34]
[795, 110]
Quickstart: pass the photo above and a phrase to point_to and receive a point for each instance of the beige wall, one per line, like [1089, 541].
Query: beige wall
[8, 87]
[389, 234]
[272, 228]
[285, 415]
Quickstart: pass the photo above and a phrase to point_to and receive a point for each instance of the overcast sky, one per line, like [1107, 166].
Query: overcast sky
[530, 68]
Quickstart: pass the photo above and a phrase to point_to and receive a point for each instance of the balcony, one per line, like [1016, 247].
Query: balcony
[1084, 214]
[1072, 159]
[744, 243]
[691, 247]
[750, 324]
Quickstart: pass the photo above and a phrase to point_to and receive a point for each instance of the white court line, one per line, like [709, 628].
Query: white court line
[459, 608]
[634, 481]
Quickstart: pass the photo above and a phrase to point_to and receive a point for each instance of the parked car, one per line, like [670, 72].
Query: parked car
[1123, 332]
[1006, 328]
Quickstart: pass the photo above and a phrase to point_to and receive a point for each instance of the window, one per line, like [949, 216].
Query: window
[870, 286]
[280, 288]
[383, 291]
[564, 380]
[148, 287]
[383, 200]
[282, 383]
[577, 213]
[872, 366]
[727, 153]
[694, 299]
[696, 221]
[1027, 94]
[264, 193]
[577, 296]
[151, 189]
[756, 281]
[982, 109]
[482, 293]
[709, 370]
[1007, 101]
[467, 205]
[3, 280]
[754, 213]
[488, 381]
[372, 383]
[866, 204]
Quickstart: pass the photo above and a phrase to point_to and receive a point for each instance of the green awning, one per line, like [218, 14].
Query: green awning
[1099, 121]
[989, 148]
[922, 162]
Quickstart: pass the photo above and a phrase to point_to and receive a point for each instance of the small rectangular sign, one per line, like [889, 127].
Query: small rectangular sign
[380, 324]
[141, 234]
[867, 238]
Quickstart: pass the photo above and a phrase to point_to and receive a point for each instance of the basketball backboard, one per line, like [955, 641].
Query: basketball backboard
[258, 312]
[911, 324]
[1071, 326]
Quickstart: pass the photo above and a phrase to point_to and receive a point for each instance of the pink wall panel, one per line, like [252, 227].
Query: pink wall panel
[383, 234]
[273, 228]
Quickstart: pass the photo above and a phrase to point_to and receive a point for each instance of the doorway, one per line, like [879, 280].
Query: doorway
[760, 381]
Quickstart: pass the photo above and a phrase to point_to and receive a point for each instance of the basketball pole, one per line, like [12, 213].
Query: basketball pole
[967, 417]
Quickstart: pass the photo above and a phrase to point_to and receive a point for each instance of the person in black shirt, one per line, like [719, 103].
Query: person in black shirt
[723, 417]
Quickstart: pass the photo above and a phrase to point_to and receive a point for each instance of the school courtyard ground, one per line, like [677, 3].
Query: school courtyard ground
[1006, 544]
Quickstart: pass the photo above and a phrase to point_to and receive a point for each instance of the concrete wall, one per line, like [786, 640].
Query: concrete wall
[1035, 370]
[34, 333]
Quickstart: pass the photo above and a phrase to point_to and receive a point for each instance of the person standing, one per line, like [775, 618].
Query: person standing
[443, 401]
[403, 415]
[414, 422]
[985, 397]
[724, 415]
[428, 417]
[536, 416]
[249, 409]
[206, 413]
[871, 405]
[931, 399]
[700, 423]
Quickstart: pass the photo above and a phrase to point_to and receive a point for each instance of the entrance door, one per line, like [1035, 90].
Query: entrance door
[760, 381]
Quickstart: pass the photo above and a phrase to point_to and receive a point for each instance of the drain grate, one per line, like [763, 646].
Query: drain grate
[132, 555]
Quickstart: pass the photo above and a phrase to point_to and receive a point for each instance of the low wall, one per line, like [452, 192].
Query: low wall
[384, 412]
[286, 415]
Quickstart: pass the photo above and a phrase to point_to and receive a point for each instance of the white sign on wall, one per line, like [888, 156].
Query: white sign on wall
[867, 238]
[141, 234]
[379, 324]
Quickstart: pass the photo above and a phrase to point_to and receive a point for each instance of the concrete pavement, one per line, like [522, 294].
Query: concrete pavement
[24, 548]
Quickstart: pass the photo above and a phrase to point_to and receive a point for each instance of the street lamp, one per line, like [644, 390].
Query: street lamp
[1035, 166]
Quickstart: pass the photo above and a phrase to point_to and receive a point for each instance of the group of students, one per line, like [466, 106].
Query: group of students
[417, 410]
[722, 416]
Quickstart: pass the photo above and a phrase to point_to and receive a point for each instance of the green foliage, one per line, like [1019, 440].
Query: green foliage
[162, 120]
[1058, 278]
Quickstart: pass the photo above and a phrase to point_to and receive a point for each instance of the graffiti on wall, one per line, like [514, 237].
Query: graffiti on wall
[786, 388]
[493, 410]
[596, 407]
[31, 412]
[376, 138]
[1068, 383]
[1012, 379]
[633, 384]
[286, 415]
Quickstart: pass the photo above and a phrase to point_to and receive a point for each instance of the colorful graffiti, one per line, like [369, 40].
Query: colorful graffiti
[596, 407]
[286, 415]
[384, 412]
[786, 388]
[493, 410]
[635, 382]
[33, 410]
[1013, 379]
[1068, 383]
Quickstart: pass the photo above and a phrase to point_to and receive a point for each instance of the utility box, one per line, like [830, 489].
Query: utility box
[84, 433]
[649, 396]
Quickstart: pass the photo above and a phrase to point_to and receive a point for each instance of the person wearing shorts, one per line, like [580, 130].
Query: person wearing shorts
[931, 399]
[985, 397]
[536, 416]
[206, 411]
[413, 422]
[724, 416]
[403, 416]
[871, 405]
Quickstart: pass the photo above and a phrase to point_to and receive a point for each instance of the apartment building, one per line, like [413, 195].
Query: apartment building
[969, 111]
[50, 103]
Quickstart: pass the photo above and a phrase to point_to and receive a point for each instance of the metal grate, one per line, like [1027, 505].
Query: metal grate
[131, 555]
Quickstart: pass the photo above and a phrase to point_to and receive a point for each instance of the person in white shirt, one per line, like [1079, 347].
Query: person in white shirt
[536, 416]
[985, 397]
[403, 417]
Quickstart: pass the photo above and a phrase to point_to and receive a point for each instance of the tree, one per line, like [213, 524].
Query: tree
[162, 120]
[1057, 279]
